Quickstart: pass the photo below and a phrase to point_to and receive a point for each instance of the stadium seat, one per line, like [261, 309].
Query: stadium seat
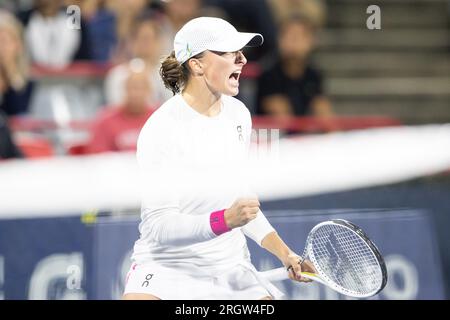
[77, 149]
[35, 147]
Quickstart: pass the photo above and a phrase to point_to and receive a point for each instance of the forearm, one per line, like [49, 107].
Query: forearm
[322, 109]
[277, 105]
[275, 245]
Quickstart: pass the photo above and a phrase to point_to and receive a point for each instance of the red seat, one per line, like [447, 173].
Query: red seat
[77, 149]
[35, 147]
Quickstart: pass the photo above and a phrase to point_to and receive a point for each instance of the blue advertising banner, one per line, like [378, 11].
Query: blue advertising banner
[64, 258]
[44, 258]
[112, 254]
[394, 232]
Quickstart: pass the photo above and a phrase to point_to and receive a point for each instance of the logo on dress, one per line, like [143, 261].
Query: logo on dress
[239, 130]
[147, 278]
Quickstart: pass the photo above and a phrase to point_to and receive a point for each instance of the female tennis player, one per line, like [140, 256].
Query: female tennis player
[196, 208]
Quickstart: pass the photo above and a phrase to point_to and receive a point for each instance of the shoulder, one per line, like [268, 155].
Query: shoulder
[166, 113]
[237, 110]
[161, 121]
[156, 139]
[313, 72]
[235, 106]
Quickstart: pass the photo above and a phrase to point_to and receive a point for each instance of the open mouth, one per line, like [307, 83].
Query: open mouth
[235, 75]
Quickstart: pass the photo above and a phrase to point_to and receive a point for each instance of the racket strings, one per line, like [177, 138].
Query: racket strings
[345, 259]
[342, 264]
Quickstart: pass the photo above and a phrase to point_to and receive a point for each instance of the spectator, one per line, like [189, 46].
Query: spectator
[146, 49]
[314, 10]
[292, 86]
[8, 149]
[15, 88]
[126, 12]
[254, 15]
[117, 129]
[49, 40]
[177, 13]
[101, 28]
[10, 5]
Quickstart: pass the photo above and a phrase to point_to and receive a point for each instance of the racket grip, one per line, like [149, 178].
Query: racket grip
[276, 274]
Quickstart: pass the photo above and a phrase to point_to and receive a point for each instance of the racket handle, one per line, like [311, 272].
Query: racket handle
[280, 274]
[276, 274]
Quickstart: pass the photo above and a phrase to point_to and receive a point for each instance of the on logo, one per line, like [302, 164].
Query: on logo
[374, 20]
[239, 130]
[147, 279]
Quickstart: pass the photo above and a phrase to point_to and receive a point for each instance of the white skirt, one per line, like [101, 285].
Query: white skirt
[240, 282]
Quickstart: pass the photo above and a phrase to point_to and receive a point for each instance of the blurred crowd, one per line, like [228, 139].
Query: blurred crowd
[131, 37]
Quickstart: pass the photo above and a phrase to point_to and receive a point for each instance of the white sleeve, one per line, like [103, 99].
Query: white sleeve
[258, 228]
[167, 226]
[161, 217]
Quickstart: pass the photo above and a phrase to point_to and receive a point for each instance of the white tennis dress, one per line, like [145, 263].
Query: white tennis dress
[192, 165]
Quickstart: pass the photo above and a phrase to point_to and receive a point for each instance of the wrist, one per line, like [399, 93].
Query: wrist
[218, 223]
[287, 258]
[227, 218]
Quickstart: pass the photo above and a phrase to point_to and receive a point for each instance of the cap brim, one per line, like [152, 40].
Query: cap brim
[239, 41]
[256, 39]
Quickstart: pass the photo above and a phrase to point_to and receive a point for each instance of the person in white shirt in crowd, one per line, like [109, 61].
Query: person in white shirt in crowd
[196, 205]
[146, 50]
[50, 39]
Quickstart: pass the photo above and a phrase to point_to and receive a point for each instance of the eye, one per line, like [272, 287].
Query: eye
[219, 53]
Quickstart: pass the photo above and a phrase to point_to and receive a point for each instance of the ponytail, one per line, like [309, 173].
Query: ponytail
[173, 74]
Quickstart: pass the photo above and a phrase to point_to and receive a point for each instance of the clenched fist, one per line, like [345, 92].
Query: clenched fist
[241, 212]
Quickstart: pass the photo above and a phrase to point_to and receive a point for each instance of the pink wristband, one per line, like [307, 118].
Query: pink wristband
[217, 222]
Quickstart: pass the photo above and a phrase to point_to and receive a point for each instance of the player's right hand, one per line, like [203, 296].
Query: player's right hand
[241, 212]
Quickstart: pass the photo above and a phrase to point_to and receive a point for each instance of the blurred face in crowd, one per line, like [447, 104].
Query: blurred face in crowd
[127, 7]
[88, 7]
[48, 7]
[137, 89]
[146, 42]
[135, 5]
[296, 40]
[182, 10]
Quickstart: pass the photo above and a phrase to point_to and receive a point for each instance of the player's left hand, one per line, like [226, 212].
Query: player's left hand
[295, 265]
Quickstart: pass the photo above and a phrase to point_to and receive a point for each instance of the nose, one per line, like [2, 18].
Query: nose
[240, 58]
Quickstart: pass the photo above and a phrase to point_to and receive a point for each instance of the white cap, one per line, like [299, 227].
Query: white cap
[207, 33]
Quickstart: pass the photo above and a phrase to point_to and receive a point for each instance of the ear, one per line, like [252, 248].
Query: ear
[196, 67]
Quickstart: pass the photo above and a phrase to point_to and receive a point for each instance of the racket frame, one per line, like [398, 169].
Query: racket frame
[281, 274]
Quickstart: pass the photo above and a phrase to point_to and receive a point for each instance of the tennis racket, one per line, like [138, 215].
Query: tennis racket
[345, 258]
